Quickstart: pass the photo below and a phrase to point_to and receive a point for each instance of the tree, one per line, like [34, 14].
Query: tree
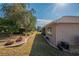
[14, 12]
[17, 12]
[32, 23]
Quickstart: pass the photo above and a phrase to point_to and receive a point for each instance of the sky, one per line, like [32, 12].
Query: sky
[47, 12]
[53, 11]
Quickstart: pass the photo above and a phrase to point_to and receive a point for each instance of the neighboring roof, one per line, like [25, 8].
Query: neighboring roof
[66, 19]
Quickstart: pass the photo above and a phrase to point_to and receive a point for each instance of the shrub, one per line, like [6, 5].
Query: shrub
[16, 32]
[65, 45]
[62, 45]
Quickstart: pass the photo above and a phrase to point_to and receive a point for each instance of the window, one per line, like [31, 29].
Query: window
[49, 31]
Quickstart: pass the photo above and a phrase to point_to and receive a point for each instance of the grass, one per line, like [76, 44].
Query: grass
[35, 46]
[41, 48]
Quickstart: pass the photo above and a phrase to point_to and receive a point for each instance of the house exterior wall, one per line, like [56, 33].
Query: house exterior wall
[52, 37]
[66, 32]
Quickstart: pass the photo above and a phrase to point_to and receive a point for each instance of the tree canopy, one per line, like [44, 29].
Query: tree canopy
[18, 14]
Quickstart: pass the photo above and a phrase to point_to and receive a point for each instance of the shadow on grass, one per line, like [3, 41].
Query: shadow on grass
[41, 48]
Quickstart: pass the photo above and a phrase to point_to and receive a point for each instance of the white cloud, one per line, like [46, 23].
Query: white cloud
[42, 22]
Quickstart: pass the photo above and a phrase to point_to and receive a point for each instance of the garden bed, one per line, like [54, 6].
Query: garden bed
[20, 40]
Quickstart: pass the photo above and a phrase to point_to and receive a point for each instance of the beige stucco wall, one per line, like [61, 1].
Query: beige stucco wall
[66, 32]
